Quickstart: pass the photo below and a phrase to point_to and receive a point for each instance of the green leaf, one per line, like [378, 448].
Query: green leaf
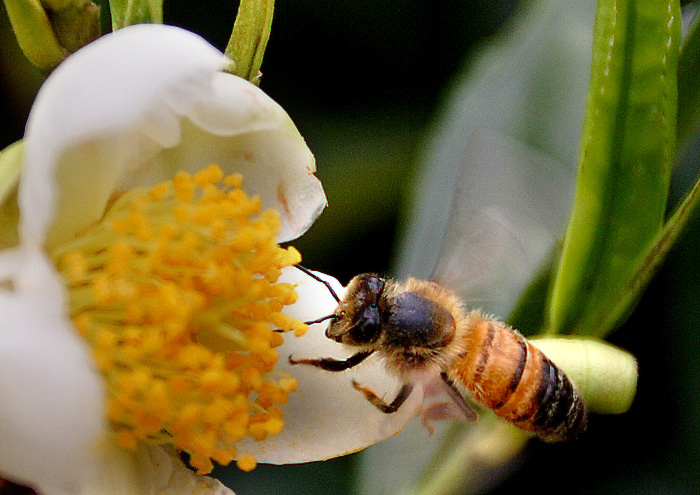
[625, 161]
[688, 87]
[528, 83]
[35, 33]
[688, 119]
[128, 12]
[248, 41]
[10, 170]
[651, 259]
[528, 314]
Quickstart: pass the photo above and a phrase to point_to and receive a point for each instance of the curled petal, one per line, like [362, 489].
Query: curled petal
[243, 130]
[119, 109]
[326, 417]
[91, 96]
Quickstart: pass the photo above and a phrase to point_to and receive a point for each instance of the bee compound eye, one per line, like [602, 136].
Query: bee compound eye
[368, 326]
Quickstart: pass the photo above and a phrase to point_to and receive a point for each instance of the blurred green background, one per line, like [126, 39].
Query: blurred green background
[364, 80]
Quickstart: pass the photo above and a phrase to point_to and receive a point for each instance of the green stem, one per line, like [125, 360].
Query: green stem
[128, 12]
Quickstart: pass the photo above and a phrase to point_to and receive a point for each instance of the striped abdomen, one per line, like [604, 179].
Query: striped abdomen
[501, 370]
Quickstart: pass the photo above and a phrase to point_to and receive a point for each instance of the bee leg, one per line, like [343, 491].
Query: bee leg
[439, 411]
[458, 398]
[330, 364]
[379, 403]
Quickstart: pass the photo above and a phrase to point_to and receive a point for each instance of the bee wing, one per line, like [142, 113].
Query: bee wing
[510, 205]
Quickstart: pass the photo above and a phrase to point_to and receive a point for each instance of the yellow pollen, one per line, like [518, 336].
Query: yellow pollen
[246, 463]
[176, 292]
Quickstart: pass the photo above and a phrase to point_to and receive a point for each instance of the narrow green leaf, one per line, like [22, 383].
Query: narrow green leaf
[688, 87]
[10, 170]
[625, 161]
[528, 314]
[248, 41]
[35, 33]
[688, 120]
[128, 12]
[651, 259]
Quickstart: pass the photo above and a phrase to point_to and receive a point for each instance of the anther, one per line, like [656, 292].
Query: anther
[175, 290]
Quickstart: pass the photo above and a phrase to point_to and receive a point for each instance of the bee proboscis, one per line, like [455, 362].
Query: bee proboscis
[422, 330]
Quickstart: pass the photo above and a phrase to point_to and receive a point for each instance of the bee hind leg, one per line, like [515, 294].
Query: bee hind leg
[451, 407]
[379, 403]
[440, 411]
[458, 398]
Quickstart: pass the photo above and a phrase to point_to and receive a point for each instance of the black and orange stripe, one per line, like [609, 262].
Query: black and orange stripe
[503, 371]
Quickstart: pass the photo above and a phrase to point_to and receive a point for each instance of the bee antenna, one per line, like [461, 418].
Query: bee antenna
[319, 320]
[324, 282]
[310, 322]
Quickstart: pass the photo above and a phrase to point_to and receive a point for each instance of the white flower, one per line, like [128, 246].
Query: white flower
[126, 113]
[152, 101]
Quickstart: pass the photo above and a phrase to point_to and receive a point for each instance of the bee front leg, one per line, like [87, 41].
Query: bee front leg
[379, 403]
[330, 364]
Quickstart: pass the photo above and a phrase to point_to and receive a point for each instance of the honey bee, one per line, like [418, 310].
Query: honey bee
[421, 330]
[424, 334]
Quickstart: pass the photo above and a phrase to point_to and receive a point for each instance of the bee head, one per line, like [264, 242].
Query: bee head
[357, 321]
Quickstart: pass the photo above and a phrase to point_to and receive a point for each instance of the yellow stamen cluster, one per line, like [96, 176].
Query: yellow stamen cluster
[176, 291]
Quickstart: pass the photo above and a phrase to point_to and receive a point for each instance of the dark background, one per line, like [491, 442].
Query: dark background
[363, 80]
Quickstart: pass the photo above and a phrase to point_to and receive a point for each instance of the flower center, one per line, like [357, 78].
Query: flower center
[176, 292]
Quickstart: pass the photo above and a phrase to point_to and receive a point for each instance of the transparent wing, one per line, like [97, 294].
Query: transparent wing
[509, 207]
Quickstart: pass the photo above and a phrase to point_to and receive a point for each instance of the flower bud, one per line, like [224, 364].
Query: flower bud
[76, 26]
[605, 375]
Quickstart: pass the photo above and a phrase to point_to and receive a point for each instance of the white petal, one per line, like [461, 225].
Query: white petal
[100, 113]
[51, 414]
[243, 130]
[150, 471]
[115, 111]
[326, 417]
